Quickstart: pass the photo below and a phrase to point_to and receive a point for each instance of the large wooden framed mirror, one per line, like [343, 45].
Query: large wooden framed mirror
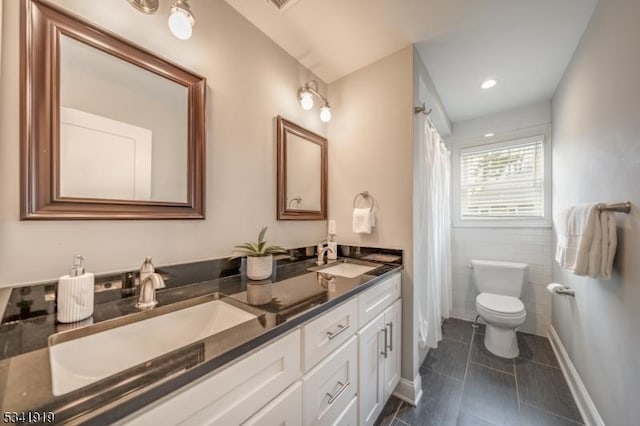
[302, 173]
[108, 129]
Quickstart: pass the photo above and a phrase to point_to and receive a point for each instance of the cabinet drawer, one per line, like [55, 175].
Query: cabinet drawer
[329, 387]
[324, 335]
[349, 416]
[375, 300]
[285, 410]
[232, 395]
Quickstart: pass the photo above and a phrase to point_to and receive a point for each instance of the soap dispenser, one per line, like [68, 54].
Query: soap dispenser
[75, 293]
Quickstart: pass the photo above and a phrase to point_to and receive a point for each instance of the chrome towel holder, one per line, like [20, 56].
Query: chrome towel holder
[624, 207]
[367, 197]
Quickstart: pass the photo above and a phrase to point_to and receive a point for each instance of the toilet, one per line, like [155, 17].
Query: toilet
[500, 286]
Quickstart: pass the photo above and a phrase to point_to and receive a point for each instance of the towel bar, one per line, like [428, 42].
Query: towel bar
[624, 207]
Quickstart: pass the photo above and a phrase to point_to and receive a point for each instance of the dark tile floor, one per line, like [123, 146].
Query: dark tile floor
[464, 384]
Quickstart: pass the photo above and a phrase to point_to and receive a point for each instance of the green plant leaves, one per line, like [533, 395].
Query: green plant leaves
[256, 249]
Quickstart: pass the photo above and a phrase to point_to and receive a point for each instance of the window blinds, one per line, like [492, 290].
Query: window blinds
[503, 180]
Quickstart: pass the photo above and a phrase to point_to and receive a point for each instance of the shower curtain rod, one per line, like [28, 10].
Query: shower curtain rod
[422, 109]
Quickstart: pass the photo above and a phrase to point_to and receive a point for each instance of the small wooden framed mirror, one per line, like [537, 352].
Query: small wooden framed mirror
[302, 173]
[108, 130]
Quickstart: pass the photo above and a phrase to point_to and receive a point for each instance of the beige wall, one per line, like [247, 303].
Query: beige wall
[596, 157]
[370, 149]
[250, 81]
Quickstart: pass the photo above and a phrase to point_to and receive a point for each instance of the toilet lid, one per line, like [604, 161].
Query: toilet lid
[500, 303]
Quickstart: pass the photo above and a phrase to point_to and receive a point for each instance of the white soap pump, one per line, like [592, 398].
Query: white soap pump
[75, 293]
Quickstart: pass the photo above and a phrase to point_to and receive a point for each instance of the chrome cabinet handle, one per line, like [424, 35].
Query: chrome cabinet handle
[343, 387]
[341, 329]
[390, 325]
[385, 353]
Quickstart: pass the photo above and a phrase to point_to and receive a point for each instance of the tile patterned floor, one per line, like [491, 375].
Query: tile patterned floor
[464, 384]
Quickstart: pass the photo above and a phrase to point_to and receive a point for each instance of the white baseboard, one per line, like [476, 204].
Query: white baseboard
[584, 402]
[410, 391]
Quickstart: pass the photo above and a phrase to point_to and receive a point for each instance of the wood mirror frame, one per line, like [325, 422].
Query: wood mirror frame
[283, 127]
[42, 25]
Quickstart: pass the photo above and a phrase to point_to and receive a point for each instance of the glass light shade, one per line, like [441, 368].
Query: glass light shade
[325, 113]
[306, 100]
[181, 23]
[488, 84]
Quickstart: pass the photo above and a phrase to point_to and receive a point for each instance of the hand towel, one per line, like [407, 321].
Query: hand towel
[575, 237]
[609, 243]
[362, 221]
[595, 252]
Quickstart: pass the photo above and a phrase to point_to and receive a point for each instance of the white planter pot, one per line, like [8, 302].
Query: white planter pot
[259, 268]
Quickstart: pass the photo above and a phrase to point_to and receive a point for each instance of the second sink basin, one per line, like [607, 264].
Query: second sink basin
[81, 361]
[346, 270]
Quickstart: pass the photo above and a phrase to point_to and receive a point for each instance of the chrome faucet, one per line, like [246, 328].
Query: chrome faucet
[321, 252]
[148, 286]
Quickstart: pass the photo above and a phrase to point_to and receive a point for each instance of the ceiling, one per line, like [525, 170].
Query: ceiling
[524, 45]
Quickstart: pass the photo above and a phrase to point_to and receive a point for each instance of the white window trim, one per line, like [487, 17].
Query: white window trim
[506, 222]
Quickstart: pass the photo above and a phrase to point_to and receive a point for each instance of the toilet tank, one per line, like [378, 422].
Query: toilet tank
[505, 278]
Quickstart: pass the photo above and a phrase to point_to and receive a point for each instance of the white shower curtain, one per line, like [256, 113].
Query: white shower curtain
[432, 245]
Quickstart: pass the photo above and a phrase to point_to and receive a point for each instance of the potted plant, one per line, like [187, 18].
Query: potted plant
[259, 256]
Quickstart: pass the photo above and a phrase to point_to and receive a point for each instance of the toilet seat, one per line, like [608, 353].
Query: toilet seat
[500, 305]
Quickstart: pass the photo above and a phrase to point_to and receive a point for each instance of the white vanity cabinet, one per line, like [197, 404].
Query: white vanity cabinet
[230, 396]
[337, 369]
[378, 361]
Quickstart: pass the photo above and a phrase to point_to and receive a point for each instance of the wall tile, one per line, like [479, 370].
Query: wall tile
[528, 245]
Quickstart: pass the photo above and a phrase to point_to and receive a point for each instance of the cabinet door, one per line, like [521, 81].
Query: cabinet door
[393, 324]
[330, 386]
[285, 410]
[371, 371]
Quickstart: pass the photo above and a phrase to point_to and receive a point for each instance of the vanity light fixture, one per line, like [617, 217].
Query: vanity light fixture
[305, 98]
[145, 6]
[488, 135]
[325, 112]
[181, 20]
[488, 84]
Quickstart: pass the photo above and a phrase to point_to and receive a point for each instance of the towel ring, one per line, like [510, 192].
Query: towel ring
[297, 199]
[365, 195]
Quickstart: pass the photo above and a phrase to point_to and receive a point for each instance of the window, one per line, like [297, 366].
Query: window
[502, 183]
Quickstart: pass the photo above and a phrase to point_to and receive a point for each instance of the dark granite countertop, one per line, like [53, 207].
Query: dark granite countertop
[25, 378]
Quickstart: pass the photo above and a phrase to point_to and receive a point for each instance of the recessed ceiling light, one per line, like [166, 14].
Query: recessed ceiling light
[488, 84]
[488, 135]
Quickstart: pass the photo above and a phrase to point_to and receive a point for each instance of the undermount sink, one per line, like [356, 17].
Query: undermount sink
[346, 270]
[83, 360]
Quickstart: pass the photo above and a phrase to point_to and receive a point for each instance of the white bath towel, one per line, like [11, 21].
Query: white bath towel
[362, 221]
[595, 252]
[609, 243]
[576, 231]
